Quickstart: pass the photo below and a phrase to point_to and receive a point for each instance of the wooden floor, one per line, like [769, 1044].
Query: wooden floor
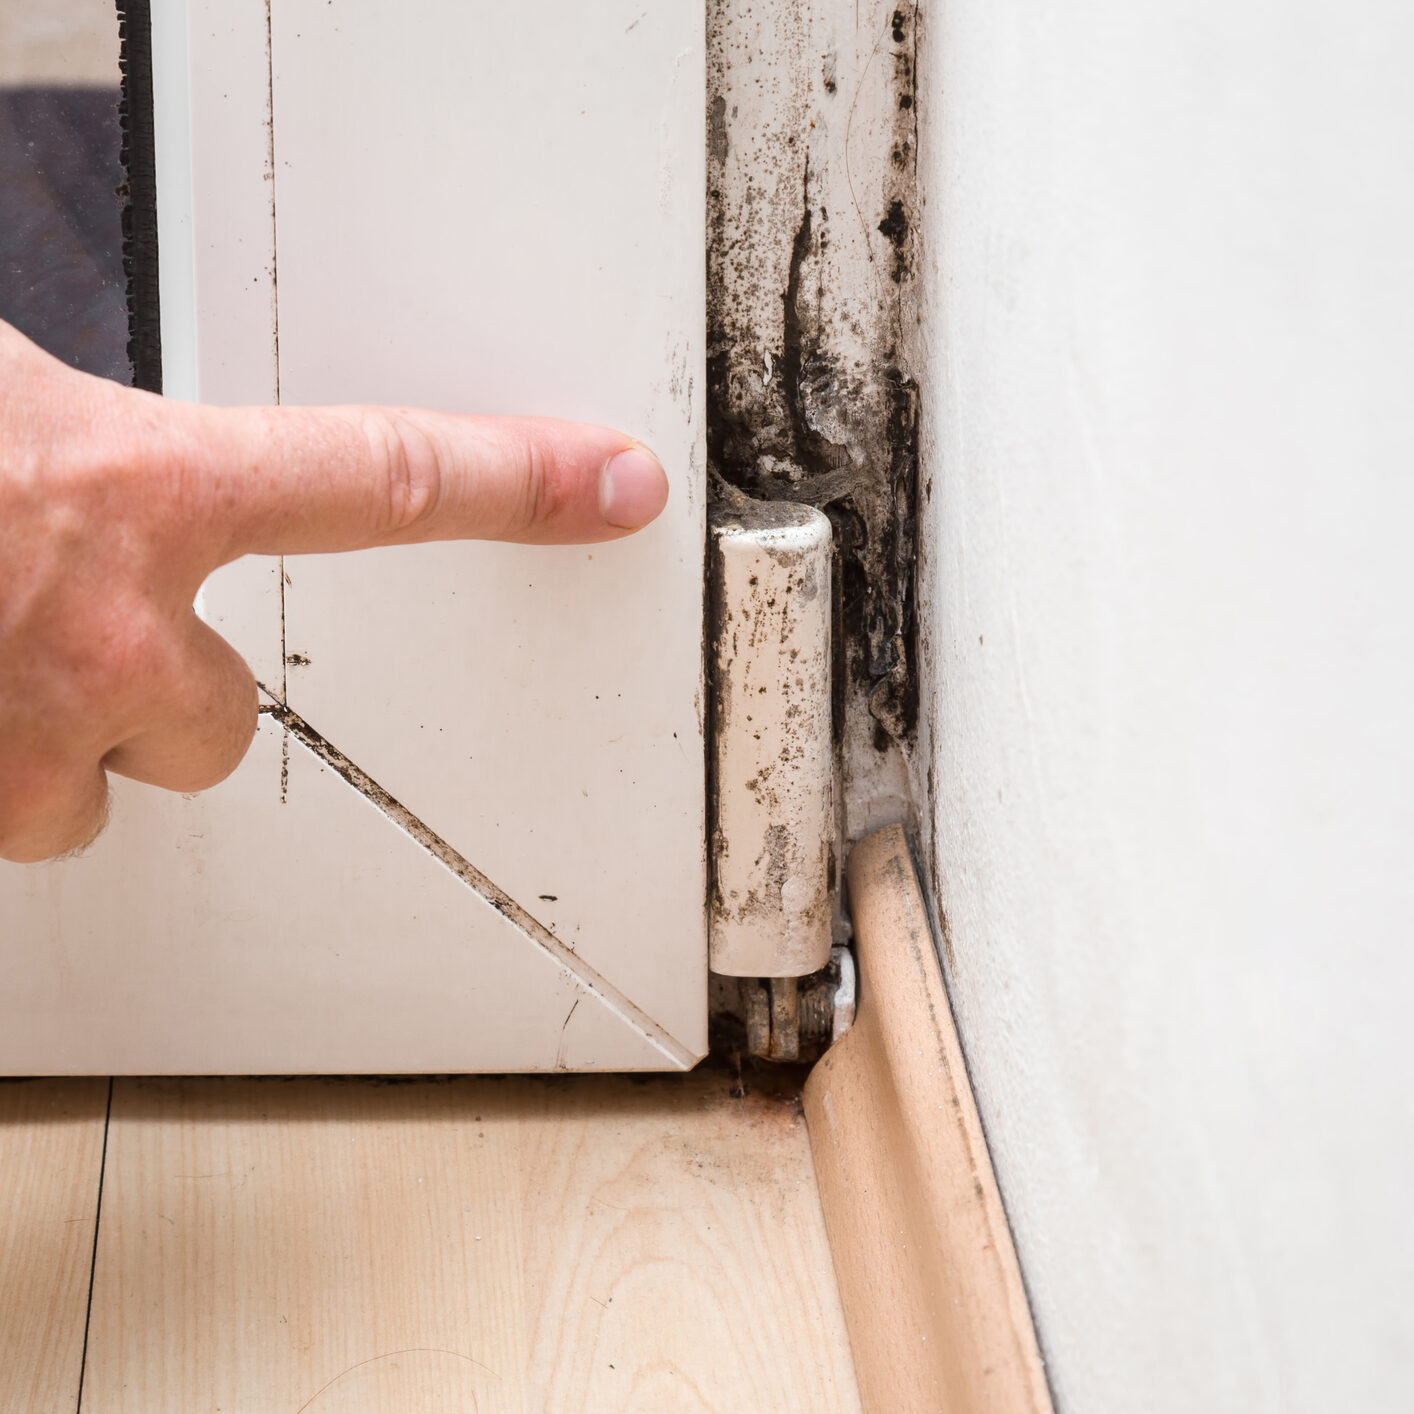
[365, 1247]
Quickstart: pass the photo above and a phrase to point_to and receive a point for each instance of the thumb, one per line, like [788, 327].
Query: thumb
[297, 480]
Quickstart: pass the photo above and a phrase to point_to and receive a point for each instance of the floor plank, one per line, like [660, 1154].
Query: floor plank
[51, 1151]
[350, 1247]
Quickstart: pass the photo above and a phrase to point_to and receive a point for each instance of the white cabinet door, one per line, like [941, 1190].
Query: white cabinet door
[478, 842]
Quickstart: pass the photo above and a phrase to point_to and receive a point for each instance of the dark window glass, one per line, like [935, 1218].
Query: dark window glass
[61, 245]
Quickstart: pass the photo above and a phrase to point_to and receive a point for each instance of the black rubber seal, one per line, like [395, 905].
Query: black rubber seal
[140, 194]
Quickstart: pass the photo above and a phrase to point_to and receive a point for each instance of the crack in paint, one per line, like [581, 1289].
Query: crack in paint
[456, 863]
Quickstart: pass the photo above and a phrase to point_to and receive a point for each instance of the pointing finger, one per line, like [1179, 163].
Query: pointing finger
[296, 480]
[201, 720]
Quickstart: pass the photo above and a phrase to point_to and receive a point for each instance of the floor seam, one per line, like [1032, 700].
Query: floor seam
[93, 1256]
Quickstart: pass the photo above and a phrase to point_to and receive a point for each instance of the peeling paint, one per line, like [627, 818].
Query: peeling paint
[811, 247]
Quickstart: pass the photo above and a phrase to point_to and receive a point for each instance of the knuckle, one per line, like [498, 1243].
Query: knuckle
[534, 487]
[44, 816]
[543, 489]
[87, 471]
[216, 704]
[21, 807]
[132, 649]
[224, 703]
[227, 755]
[413, 482]
[117, 659]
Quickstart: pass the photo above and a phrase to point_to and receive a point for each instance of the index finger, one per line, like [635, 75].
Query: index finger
[296, 480]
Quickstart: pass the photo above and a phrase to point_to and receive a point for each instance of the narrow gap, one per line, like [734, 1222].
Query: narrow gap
[93, 1258]
[270, 164]
[140, 255]
[284, 652]
[275, 295]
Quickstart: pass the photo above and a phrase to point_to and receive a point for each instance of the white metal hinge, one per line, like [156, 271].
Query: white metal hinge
[774, 835]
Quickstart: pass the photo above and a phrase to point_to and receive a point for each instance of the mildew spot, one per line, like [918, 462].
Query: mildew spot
[811, 251]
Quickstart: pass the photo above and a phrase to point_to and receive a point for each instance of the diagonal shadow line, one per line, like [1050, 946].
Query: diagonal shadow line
[536, 932]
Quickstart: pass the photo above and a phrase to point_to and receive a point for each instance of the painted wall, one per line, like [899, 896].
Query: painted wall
[1169, 585]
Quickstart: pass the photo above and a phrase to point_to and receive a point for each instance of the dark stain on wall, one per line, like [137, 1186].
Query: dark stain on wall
[809, 396]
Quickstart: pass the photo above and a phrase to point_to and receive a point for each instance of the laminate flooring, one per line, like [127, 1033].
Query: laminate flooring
[371, 1247]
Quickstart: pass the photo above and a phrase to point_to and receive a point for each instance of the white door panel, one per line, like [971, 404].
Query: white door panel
[461, 251]
[544, 744]
[284, 928]
[474, 208]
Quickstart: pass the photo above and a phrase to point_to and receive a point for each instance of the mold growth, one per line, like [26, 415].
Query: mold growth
[811, 202]
[559, 952]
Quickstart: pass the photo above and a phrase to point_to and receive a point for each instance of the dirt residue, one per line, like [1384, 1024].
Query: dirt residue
[811, 202]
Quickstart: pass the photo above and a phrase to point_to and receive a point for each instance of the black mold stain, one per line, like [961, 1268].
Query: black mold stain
[717, 142]
[822, 427]
[894, 227]
[895, 224]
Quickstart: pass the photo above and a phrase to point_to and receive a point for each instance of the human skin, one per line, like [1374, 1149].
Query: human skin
[116, 504]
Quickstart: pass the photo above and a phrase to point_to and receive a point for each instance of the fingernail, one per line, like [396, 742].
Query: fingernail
[633, 489]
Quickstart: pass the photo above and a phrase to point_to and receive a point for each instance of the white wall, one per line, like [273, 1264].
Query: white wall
[1169, 588]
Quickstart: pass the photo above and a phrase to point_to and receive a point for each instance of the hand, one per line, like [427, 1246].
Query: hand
[115, 505]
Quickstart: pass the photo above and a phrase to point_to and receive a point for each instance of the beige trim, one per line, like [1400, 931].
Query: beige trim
[937, 1315]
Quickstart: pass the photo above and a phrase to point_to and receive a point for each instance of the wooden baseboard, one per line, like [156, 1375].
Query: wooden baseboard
[933, 1299]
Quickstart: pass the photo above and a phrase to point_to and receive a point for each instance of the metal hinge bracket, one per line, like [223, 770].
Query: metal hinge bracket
[774, 828]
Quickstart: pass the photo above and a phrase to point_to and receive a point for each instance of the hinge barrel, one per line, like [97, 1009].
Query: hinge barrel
[772, 740]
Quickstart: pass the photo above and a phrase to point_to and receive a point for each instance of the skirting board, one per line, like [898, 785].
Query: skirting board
[933, 1299]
